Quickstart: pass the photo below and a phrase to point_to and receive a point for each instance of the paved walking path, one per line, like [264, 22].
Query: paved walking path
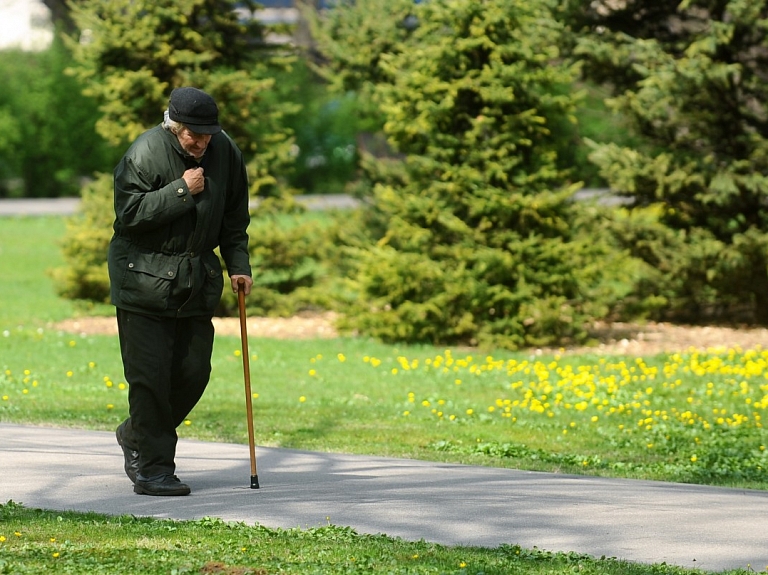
[38, 206]
[68, 206]
[708, 528]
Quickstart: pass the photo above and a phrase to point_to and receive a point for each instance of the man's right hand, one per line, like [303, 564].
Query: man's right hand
[195, 180]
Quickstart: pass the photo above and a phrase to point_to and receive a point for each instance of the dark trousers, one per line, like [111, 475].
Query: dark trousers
[167, 364]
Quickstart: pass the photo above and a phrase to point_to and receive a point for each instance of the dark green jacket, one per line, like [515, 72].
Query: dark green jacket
[161, 257]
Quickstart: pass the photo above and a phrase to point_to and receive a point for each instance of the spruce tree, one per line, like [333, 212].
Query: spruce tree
[480, 241]
[692, 76]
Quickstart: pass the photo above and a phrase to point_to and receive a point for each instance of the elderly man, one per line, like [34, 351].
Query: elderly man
[181, 191]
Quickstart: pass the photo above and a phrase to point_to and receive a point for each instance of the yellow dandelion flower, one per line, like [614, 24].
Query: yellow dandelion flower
[237, 353]
[26, 372]
[312, 373]
[694, 459]
[72, 343]
[55, 555]
[187, 422]
[255, 395]
[342, 358]
[302, 399]
[470, 411]
[110, 406]
[121, 386]
[406, 413]
[70, 373]
[2, 538]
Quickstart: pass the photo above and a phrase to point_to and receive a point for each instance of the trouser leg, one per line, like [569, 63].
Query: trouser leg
[167, 367]
[192, 365]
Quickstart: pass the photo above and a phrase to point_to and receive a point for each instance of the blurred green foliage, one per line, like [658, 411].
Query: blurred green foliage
[85, 244]
[477, 239]
[325, 129]
[690, 78]
[48, 141]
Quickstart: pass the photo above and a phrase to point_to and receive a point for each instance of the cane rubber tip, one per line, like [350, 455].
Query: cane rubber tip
[254, 481]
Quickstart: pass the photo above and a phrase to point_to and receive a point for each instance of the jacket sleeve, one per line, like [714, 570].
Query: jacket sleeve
[233, 239]
[142, 205]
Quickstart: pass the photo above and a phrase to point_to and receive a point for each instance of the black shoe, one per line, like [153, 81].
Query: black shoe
[160, 485]
[131, 456]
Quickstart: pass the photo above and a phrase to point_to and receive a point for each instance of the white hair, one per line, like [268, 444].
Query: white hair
[171, 125]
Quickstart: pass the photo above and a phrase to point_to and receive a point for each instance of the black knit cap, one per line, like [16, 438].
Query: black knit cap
[195, 109]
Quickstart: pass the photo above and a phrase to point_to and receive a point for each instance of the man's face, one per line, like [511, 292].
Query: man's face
[193, 144]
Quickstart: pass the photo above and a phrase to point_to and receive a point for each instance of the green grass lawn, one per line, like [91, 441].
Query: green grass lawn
[28, 250]
[694, 417]
[34, 541]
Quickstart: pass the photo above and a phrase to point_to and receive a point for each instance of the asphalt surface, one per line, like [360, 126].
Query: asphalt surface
[68, 206]
[38, 206]
[708, 528]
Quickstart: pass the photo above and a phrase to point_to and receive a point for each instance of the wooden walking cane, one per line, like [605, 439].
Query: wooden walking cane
[247, 376]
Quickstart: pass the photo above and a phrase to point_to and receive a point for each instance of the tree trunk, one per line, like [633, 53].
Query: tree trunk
[60, 15]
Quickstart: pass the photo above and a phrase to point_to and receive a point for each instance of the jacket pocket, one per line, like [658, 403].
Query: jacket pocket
[214, 282]
[148, 280]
